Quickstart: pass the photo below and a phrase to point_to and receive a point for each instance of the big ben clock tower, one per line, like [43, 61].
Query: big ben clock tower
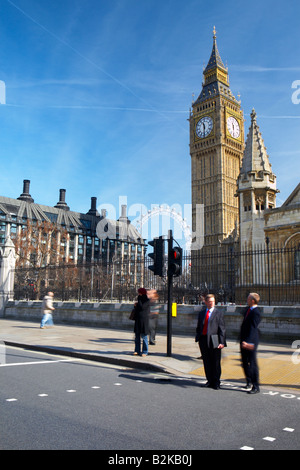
[216, 148]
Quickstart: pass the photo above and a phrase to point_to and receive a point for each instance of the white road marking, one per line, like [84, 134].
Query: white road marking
[268, 438]
[35, 362]
[245, 447]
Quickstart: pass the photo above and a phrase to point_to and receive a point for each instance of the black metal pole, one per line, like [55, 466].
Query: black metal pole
[170, 284]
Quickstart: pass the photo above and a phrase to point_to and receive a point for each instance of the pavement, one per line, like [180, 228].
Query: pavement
[279, 365]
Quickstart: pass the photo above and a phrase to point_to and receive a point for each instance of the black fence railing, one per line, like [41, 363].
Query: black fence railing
[273, 272]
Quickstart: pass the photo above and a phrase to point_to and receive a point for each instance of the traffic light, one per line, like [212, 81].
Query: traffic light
[157, 256]
[175, 261]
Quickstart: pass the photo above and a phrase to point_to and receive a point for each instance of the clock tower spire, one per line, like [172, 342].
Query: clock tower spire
[215, 68]
[216, 148]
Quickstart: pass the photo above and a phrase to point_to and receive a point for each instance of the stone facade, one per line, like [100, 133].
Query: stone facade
[282, 225]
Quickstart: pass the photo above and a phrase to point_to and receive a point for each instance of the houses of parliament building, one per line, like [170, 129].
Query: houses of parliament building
[231, 178]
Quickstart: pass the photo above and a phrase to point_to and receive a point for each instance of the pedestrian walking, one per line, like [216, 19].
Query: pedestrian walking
[249, 339]
[141, 322]
[153, 317]
[47, 308]
[210, 333]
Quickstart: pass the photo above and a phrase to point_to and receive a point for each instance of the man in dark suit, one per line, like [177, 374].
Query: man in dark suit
[210, 334]
[249, 338]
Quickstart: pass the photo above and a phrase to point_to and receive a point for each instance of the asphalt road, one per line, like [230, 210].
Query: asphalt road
[52, 403]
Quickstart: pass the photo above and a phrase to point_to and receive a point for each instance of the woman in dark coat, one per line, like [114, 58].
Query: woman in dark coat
[141, 323]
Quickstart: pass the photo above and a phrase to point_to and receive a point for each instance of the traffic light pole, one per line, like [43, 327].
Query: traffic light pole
[170, 286]
[174, 269]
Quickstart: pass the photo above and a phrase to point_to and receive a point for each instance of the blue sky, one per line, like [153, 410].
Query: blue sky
[98, 94]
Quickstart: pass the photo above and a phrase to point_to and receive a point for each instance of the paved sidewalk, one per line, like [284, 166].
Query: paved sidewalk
[279, 364]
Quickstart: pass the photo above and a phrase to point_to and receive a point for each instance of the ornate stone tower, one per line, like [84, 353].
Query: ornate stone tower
[216, 148]
[256, 189]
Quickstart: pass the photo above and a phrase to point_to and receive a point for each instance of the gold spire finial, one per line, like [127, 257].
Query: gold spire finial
[214, 32]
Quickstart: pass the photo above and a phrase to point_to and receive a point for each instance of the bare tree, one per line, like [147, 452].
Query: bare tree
[40, 245]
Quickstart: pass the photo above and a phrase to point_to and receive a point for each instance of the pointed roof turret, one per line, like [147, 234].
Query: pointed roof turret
[215, 58]
[216, 81]
[215, 70]
[255, 157]
[256, 171]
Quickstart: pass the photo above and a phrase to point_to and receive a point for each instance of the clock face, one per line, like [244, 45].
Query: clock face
[233, 127]
[204, 127]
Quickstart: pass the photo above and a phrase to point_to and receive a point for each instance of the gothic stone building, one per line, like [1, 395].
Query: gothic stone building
[233, 180]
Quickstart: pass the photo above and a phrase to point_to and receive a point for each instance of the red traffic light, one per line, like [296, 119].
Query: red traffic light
[175, 261]
[176, 253]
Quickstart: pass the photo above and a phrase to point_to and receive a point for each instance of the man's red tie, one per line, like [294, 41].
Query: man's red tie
[247, 313]
[204, 332]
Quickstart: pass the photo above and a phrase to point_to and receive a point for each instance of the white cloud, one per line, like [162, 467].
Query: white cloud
[86, 82]
[259, 69]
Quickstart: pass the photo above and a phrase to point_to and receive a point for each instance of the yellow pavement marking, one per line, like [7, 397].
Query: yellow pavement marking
[271, 371]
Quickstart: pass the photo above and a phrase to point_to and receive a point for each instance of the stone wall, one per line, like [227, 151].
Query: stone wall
[278, 323]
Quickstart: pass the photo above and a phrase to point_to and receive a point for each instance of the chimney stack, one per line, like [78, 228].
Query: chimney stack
[62, 201]
[93, 209]
[25, 196]
[124, 217]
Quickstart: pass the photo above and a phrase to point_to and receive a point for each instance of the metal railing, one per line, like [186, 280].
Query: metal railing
[273, 272]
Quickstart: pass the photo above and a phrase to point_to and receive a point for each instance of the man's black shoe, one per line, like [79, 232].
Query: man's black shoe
[253, 391]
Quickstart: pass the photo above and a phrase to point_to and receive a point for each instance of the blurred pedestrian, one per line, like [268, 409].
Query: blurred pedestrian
[153, 317]
[210, 334]
[47, 308]
[141, 323]
[249, 339]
